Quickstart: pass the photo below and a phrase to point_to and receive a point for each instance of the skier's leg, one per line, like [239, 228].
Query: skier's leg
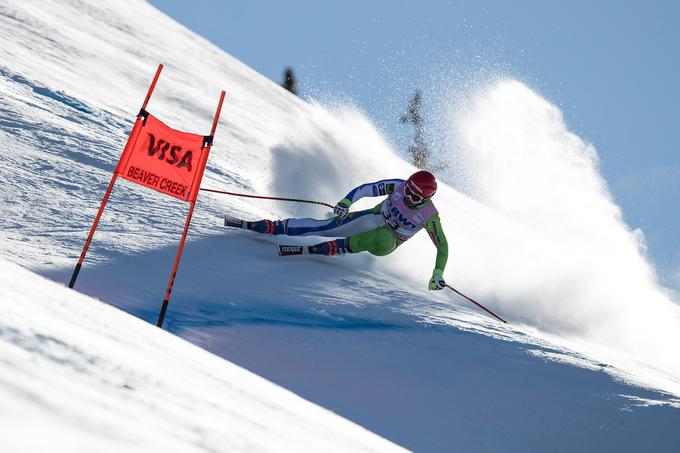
[261, 226]
[266, 226]
[330, 248]
[379, 242]
[355, 222]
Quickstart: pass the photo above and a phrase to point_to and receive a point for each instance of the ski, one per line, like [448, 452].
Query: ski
[288, 250]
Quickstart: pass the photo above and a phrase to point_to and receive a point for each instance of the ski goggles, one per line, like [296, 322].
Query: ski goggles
[414, 197]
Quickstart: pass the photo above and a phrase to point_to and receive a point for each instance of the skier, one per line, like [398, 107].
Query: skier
[406, 210]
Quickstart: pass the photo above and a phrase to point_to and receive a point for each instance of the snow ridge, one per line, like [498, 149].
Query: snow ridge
[93, 378]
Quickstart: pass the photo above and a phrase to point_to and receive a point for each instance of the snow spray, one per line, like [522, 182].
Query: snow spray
[579, 270]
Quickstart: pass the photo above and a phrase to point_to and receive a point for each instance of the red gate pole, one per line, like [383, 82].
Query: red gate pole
[166, 299]
[76, 271]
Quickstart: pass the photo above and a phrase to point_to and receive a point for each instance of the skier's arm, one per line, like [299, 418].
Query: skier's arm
[436, 232]
[373, 189]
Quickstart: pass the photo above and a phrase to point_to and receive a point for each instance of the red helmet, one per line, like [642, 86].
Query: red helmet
[420, 186]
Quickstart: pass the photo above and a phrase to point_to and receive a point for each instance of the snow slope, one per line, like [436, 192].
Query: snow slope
[358, 335]
[92, 378]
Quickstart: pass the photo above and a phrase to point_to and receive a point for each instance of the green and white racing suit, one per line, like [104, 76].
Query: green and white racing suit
[381, 229]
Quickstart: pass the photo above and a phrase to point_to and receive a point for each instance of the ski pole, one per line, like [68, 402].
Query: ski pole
[477, 303]
[267, 198]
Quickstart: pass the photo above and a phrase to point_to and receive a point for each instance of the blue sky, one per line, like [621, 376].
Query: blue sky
[612, 67]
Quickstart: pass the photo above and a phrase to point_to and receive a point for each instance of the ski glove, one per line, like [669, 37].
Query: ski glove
[437, 281]
[342, 208]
